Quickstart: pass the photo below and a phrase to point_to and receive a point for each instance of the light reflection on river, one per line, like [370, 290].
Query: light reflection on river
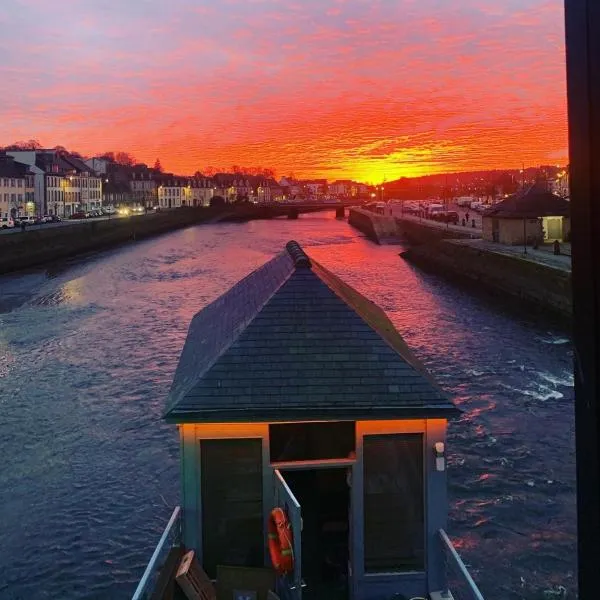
[87, 353]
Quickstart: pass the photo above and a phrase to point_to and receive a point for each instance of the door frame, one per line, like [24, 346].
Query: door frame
[335, 463]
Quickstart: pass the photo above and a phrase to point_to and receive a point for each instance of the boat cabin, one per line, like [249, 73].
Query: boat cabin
[294, 391]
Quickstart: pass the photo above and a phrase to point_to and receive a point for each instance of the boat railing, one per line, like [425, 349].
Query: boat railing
[171, 537]
[460, 582]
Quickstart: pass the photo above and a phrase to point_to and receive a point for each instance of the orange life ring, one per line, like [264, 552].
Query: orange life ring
[281, 542]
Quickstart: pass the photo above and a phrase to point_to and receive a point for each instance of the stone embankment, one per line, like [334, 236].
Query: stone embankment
[378, 228]
[534, 282]
[30, 248]
[384, 229]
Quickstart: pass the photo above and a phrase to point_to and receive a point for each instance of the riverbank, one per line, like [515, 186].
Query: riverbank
[40, 246]
[387, 229]
[538, 280]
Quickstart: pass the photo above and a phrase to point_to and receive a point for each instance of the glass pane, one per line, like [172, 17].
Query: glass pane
[393, 497]
[232, 518]
[311, 441]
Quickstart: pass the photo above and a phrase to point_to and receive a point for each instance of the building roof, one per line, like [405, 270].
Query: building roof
[11, 168]
[292, 342]
[530, 203]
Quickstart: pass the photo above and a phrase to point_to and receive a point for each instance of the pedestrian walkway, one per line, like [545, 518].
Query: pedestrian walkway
[541, 255]
[472, 231]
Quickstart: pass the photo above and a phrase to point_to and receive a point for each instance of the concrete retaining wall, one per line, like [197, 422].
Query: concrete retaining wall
[532, 283]
[39, 246]
[383, 228]
[376, 227]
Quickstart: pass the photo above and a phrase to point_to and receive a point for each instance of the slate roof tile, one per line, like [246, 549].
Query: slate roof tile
[292, 342]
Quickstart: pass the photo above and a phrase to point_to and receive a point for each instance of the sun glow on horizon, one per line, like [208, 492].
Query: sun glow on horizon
[370, 91]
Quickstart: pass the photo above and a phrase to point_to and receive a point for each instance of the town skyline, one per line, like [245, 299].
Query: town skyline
[325, 89]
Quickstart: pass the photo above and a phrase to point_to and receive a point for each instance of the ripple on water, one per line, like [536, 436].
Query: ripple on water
[86, 359]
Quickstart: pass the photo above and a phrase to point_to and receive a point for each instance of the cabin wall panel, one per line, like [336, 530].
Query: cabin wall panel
[437, 505]
[191, 474]
[190, 489]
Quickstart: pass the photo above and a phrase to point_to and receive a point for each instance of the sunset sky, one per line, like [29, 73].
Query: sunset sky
[364, 89]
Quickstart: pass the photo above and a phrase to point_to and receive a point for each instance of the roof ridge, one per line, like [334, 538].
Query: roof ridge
[300, 258]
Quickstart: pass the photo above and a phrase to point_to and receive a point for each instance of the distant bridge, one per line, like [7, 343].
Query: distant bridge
[291, 210]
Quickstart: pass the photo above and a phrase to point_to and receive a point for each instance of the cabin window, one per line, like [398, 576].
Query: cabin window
[311, 441]
[232, 514]
[393, 503]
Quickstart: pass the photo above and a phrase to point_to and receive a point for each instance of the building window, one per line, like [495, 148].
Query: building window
[394, 503]
[232, 514]
[19, 183]
[20, 198]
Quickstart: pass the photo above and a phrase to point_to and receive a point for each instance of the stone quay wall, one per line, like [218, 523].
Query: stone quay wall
[43, 245]
[534, 284]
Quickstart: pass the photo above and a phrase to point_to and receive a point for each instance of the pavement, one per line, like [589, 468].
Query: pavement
[475, 231]
[541, 256]
[64, 223]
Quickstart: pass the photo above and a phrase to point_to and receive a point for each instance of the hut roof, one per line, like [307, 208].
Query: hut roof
[530, 203]
[292, 342]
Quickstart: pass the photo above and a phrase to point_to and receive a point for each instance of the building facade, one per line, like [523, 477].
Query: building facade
[62, 183]
[170, 191]
[16, 189]
[202, 191]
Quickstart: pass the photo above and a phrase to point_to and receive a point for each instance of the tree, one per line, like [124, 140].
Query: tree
[198, 175]
[124, 158]
[157, 166]
[210, 171]
[21, 145]
[109, 156]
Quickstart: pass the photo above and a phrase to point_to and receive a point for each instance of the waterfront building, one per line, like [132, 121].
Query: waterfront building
[143, 185]
[62, 183]
[202, 191]
[532, 215]
[170, 191]
[16, 188]
[232, 187]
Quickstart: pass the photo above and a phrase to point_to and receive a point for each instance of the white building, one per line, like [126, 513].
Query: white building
[16, 188]
[63, 183]
[202, 191]
[170, 191]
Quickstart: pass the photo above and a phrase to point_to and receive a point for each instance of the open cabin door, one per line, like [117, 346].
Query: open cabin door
[289, 587]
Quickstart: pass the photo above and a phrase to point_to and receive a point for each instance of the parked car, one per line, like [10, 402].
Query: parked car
[55, 219]
[25, 220]
[448, 216]
[7, 223]
[78, 215]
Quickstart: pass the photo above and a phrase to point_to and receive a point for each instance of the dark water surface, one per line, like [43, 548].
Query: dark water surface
[89, 473]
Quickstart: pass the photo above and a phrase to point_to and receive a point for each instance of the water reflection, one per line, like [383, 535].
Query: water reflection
[87, 354]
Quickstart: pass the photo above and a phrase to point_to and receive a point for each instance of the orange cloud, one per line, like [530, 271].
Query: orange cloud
[322, 88]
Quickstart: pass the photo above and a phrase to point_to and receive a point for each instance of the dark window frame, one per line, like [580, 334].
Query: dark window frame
[419, 562]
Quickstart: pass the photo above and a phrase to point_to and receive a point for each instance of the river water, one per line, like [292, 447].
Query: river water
[90, 473]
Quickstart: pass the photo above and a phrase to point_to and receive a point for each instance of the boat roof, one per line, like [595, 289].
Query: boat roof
[292, 342]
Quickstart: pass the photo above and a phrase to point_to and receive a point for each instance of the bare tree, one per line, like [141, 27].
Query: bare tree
[124, 158]
[21, 145]
[157, 166]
